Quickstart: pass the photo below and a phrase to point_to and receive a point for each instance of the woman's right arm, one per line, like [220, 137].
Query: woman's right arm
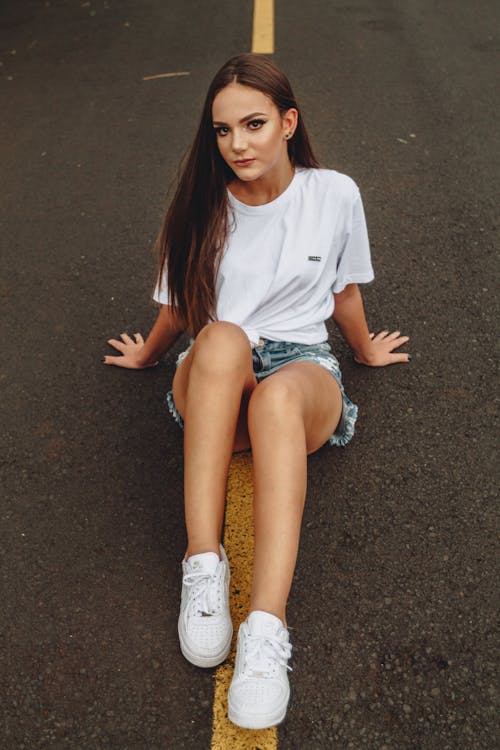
[139, 354]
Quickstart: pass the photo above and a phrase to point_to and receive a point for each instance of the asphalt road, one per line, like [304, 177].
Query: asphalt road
[395, 597]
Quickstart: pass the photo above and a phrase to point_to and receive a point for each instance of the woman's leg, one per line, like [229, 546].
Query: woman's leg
[291, 413]
[211, 389]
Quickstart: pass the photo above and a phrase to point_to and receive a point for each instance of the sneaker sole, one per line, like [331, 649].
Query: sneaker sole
[265, 721]
[205, 661]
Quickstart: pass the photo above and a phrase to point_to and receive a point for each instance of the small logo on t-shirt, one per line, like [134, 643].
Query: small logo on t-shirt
[314, 257]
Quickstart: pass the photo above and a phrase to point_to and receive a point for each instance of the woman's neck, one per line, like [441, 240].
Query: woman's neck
[264, 189]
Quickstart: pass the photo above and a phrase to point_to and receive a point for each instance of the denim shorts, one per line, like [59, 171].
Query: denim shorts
[269, 356]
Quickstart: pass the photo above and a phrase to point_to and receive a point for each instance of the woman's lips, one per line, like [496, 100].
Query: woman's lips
[244, 162]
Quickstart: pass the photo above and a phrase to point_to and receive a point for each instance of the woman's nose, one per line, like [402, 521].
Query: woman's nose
[239, 141]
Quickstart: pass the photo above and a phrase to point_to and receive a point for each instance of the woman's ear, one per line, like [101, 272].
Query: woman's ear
[289, 122]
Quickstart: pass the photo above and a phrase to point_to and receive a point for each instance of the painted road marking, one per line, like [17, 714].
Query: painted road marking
[238, 543]
[263, 27]
[238, 531]
[167, 75]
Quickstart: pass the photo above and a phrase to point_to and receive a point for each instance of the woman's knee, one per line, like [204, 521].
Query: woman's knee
[222, 346]
[277, 399]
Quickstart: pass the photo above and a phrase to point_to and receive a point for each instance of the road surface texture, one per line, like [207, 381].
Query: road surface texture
[395, 595]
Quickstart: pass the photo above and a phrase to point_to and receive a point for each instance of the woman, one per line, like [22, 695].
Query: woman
[259, 247]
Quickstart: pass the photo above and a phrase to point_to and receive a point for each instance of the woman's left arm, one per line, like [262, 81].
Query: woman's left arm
[368, 348]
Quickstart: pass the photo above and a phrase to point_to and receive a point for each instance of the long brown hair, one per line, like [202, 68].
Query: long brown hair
[195, 228]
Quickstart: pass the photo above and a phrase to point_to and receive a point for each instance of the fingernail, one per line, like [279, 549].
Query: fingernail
[409, 358]
[103, 359]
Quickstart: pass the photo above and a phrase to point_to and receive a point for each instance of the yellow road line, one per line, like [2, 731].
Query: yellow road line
[238, 532]
[263, 27]
[238, 543]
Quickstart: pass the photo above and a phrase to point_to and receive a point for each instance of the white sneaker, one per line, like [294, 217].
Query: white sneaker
[259, 692]
[205, 627]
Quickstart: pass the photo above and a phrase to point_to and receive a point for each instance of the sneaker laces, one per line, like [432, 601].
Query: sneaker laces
[205, 597]
[263, 652]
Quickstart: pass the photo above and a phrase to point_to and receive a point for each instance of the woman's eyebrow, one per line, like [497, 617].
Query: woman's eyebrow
[243, 119]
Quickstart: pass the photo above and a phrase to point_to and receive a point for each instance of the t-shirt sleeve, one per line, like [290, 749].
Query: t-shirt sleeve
[160, 293]
[354, 264]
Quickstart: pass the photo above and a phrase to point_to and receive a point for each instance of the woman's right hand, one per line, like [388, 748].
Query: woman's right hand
[130, 353]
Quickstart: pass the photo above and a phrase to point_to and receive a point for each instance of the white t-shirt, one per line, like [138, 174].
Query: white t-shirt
[283, 260]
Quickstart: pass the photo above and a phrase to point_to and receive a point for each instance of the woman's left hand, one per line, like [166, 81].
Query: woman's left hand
[382, 350]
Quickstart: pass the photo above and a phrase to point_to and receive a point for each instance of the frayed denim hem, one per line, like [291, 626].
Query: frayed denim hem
[345, 429]
[169, 398]
[173, 409]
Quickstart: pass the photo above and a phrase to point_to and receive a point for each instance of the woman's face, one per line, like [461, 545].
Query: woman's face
[251, 132]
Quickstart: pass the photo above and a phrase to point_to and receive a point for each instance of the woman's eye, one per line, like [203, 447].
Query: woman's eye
[221, 131]
[255, 124]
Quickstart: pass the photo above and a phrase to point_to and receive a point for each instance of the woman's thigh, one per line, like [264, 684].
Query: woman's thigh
[181, 378]
[305, 388]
